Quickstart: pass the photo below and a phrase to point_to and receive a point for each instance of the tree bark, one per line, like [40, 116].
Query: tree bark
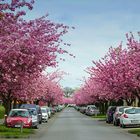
[7, 100]
[7, 105]
[139, 102]
[129, 102]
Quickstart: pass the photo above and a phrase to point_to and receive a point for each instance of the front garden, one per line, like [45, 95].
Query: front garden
[6, 132]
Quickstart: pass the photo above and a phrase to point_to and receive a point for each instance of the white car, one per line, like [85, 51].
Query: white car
[45, 115]
[48, 110]
[130, 117]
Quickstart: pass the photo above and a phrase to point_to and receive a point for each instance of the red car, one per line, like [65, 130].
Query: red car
[18, 117]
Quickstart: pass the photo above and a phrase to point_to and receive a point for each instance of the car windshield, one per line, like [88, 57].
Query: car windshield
[18, 113]
[43, 110]
[112, 109]
[93, 107]
[32, 112]
[47, 109]
[133, 111]
[121, 109]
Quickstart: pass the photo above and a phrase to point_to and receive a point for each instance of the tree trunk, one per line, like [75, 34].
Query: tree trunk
[7, 105]
[120, 102]
[49, 103]
[7, 100]
[139, 102]
[101, 108]
[36, 102]
[129, 102]
[15, 103]
[136, 92]
[106, 106]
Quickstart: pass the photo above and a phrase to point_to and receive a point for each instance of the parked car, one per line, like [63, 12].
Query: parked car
[18, 117]
[34, 115]
[83, 109]
[130, 117]
[61, 107]
[53, 110]
[45, 116]
[91, 110]
[48, 110]
[57, 109]
[37, 107]
[71, 105]
[118, 112]
[77, 108]
[109, 114]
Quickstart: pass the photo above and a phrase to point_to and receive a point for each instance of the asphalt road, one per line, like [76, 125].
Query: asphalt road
[72, 125]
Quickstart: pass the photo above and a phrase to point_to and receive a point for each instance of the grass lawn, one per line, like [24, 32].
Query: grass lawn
[100, 116]
[135, 131]
[2, 112]
[15, 132]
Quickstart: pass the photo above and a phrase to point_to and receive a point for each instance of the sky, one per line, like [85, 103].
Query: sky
[99, 24]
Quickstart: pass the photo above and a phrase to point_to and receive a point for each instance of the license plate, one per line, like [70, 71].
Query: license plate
[17, 125]
[134, 121]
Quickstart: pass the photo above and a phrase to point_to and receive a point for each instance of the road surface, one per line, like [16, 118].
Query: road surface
[72, 125]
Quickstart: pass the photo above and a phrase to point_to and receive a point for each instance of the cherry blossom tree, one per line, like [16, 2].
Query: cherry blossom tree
[26, 48]
[115, 77]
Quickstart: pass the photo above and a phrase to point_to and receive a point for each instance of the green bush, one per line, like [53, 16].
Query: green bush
[135, 131]
[2, 112]
[100, 116]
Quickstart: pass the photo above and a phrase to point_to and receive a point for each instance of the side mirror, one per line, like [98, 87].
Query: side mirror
[34, 113]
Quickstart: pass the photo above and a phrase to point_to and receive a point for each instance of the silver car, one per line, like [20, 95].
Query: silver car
[91, 110]
[34, 115]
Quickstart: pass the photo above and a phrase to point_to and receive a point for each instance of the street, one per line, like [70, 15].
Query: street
[71, 125]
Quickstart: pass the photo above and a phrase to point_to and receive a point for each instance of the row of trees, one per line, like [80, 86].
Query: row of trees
[115, 77]
[27, 48]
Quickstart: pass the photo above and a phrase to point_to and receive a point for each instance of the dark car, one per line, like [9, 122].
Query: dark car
[38, 109]
[109, 114]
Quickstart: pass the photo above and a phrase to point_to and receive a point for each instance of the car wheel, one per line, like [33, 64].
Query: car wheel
[114, 123]
[117, 123]
[36, 127]
[109, 121]
[123, 126]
